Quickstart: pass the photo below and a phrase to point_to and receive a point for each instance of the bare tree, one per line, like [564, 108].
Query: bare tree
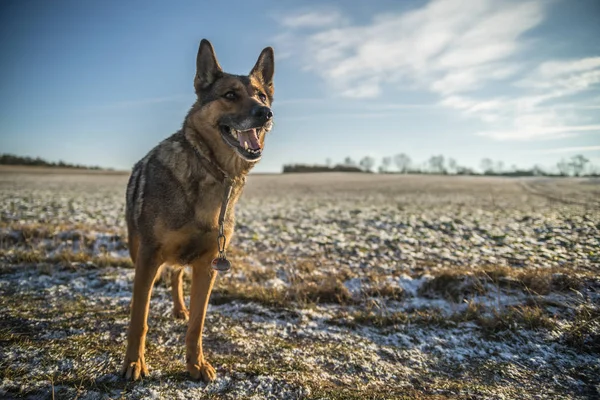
[578, 163]
[452, 166]
[367, 163]
[564, 167]
[436, 164]
[402, 162]
[499, 167]
[487, 166]
[464, 171]
[538, 170]
[385, 164]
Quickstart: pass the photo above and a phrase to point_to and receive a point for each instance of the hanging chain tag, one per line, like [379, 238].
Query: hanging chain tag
[221, 263]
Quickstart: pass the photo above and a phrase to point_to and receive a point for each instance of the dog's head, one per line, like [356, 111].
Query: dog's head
[234, 110]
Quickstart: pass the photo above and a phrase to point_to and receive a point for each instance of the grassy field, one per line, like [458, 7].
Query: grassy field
[344, 286]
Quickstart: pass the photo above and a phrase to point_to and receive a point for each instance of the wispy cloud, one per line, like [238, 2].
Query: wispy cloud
[378, 106]
[458, 55]
[536, 130]
[325, 17]
[440, 46]
[581, 149]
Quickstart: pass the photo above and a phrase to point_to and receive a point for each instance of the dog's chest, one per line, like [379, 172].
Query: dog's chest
[210, 200]
[199, 238]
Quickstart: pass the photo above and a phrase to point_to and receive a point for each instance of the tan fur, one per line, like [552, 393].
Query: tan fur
[174, 198]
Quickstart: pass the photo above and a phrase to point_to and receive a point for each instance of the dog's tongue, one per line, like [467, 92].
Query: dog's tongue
[249, 137]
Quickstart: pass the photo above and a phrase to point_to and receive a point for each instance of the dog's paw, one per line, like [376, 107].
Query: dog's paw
[134, 369]
[182, 314]
[203, 371]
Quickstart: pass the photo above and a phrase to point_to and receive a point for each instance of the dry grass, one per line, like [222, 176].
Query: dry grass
[64, 258]
[322, 321]
[584, 331]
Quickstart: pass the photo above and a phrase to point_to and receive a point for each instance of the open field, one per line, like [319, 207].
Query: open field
[344, 286]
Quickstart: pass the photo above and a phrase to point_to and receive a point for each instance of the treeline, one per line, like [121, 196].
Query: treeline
[320, 168]
[577, 165]
[11, 159]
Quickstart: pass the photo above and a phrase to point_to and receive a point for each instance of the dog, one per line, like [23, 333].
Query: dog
[175, 195]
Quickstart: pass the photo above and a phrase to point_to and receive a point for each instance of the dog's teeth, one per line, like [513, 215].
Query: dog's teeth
[245, 145]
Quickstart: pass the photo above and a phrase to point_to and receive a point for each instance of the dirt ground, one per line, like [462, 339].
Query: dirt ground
[344, 286]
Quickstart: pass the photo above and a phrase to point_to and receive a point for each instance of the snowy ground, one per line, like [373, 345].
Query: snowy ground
[344, 286]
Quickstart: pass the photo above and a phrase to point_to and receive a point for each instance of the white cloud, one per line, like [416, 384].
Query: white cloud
[580, 149]
[457, 53]
[442, 46]
[530, 116]
[564, 77]
[312, 19]
[522, 118]
[552, 69]
[536, 131]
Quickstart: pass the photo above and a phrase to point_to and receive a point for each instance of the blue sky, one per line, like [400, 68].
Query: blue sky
[102, 82]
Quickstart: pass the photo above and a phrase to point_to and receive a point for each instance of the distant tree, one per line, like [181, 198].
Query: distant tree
[436, 164]
[367, 163]
[385, 164]
[538, 170]
[349, 161]
[11, 159]
[499, 167]
[402, 162]
[487, 166]
[594, 170]
[578, 163]
[564, 167]
[464, 171]
[452, 166]
[289, 168]
[328, 162]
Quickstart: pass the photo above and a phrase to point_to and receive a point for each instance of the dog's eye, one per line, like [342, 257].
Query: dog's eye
[230, 95]
[262, 97]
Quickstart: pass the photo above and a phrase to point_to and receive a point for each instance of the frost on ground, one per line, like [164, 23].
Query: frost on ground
[344, 286]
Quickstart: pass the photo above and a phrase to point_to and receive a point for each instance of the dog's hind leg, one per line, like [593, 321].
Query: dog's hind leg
[179, 309]
[146, 270]
[203, 278]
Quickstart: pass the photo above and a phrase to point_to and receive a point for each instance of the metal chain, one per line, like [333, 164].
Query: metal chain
[221, 263]
[221, 240]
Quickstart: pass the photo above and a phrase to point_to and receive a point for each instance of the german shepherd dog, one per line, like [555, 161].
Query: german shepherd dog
[175, 193]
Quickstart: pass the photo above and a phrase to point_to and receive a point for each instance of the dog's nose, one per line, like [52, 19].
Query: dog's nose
[262, 112]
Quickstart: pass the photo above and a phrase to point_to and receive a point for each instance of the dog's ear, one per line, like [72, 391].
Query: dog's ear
[265, 67]
[207, 66]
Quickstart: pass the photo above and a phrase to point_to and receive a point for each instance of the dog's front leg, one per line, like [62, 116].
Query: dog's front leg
[203, 278]
[146, 269]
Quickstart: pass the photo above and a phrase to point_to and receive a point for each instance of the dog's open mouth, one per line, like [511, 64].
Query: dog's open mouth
[245, 143]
